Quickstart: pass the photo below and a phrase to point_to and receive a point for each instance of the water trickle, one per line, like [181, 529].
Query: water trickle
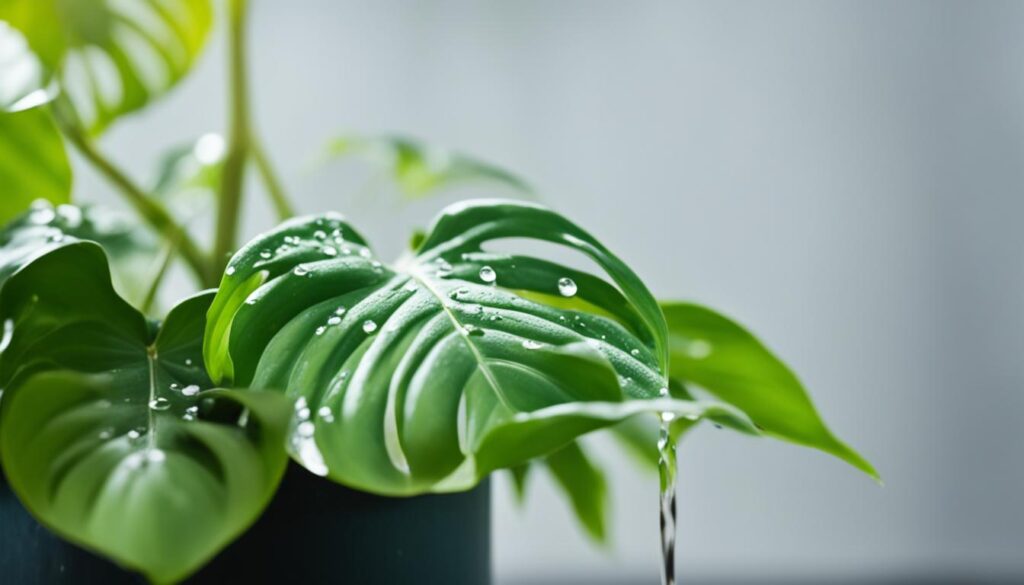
[488, 275]
[369, 326]
[566, 287]
[667, 499]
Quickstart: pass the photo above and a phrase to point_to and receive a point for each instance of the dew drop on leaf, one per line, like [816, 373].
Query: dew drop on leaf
[369, 326]
[531, 344]
[566, 286]
[190, 390]
[159, 404]
[330, 250]
[334, 320]
[300, 270]
[488, 275]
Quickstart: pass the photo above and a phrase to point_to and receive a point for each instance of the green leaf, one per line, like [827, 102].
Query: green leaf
[24, 83]
[33, 162]
[584, 484]
[190, 173]
[110, 434]
[112, 58]
[437, 369]
[130, 248]
[715, 353]
[421, 170]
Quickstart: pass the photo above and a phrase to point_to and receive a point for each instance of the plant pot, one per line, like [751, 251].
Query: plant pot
[314, 531]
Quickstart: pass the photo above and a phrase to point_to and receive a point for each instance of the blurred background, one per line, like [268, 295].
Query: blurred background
[846, 178]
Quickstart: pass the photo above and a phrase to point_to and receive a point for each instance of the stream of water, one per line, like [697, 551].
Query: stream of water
[667, 473]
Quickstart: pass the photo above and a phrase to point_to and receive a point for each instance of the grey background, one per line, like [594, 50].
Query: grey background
[843, 177]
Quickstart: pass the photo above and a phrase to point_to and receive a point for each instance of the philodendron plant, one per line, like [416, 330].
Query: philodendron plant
[156, 441]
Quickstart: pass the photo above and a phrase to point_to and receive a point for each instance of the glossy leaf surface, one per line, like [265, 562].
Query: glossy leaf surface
[112, 58]
[717, 354]
[129, 248]
[110, 433]
[437, 369]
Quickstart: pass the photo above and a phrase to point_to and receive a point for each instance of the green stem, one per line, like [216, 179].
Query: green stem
[278, 197]
[146, 304]
[230, 202]
[151, 210]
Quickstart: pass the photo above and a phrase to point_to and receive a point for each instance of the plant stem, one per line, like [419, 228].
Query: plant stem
[278, 197]
[146, 304]
[151, 210]
[230, 201]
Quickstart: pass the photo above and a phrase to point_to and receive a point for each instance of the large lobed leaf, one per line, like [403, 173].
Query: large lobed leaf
[440, 369]
[112, 56]
[110, 433]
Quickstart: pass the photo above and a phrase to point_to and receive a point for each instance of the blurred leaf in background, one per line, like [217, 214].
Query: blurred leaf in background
[421, 170]
[112, 58]
[33, 162]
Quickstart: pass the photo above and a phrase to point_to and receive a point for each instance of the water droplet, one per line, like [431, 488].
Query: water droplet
[566, 287]
[230, 270]
[365, 252]
[134, 435]
[300, 270]
[42, 215]
[190, 390]
[698, 349]
[188, 361]
[325, 413]
[303, 413]
[667, 417]
[173, 386]
[159, 404]
[531, 344]
[369, 326]
[334, 320]
[266, 254]
[634, 352]
[155, 456]
[321, 330]
[330, 250]
[106, 433]
[319, 234]
[339, 311]
[488, 275]
[306, 429]
[471, 330]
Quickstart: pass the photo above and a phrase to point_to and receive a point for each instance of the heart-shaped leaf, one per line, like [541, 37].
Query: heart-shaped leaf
[715, 353]
[110, 434]
[440, 369]
[130, 249]
[112, 58]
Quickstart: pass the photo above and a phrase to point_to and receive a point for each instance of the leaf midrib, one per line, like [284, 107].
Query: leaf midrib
[459, 327]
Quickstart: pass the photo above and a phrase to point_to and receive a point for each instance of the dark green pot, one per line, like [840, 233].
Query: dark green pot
[313, 532]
